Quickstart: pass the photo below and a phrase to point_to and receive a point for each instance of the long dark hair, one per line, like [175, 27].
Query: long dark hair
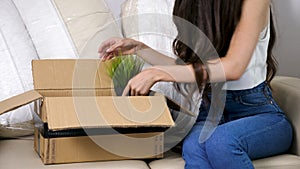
[217, 19]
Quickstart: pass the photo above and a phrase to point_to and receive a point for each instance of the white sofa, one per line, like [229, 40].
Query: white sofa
[19, 153]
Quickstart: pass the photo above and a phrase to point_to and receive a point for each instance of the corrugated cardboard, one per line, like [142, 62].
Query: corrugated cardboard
[75, 103]
[83, 148]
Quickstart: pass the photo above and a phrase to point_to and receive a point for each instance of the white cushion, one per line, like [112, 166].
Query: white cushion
[46, 28]
[171, 161]
[151, 23]
[16, 53]
[286, 161]
[19, 153]
[64, 28]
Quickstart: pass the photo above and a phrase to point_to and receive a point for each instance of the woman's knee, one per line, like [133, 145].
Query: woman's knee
[190, 146]
[223, 143]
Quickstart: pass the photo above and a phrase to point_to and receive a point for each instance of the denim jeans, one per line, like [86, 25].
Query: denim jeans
[252, 127]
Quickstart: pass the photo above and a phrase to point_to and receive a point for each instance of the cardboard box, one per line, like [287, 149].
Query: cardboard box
[81, 120]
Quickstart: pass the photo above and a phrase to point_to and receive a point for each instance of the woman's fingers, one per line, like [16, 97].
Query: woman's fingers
[107, 56]
[126, 91]
[115, 47]
[140, 84]
[103, 48]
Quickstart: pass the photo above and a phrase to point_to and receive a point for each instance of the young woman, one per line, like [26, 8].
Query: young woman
[252, 124]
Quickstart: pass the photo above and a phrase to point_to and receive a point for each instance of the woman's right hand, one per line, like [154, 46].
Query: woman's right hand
[111, 47]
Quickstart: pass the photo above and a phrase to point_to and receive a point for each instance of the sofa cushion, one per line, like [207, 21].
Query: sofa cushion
[286, 161]
[151, 23]
[67, 28]
[16, 52]
[19, 153]
[171, 161]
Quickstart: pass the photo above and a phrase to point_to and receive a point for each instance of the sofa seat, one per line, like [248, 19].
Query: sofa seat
[19, 153]
[286, 161]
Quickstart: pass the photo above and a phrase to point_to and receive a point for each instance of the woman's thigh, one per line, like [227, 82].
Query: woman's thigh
[259, 136]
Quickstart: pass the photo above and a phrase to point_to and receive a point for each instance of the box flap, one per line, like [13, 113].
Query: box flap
[58, 74]
[172, 104]
[107, 111]
[18, 101]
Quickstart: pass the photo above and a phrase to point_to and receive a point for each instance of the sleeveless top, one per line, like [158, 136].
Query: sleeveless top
[256, 71]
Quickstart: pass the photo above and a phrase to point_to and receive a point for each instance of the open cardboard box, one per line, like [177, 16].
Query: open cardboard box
[81, 119]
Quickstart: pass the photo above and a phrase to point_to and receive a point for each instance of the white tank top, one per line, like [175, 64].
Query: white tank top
[256, 71]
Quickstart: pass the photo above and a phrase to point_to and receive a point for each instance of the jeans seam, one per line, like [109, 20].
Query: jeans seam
[246, 162]
[266, 93]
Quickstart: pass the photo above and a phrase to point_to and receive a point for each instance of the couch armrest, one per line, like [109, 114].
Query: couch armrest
[286, 92]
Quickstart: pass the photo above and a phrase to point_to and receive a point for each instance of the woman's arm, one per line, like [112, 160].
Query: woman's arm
[255, 17]
[111, 47]
[141, 83]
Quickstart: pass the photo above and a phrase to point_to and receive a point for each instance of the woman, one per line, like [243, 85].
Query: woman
[242, 32]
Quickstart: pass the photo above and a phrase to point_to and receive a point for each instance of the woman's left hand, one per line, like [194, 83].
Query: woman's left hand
[141, 84]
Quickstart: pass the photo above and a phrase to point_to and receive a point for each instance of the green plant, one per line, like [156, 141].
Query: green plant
[122, 69]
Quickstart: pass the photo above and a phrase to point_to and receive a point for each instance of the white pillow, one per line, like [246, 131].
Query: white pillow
[63, 28]
[150, 22]
[16, 53]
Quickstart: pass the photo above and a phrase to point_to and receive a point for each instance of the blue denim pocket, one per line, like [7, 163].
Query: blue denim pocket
[258, 98]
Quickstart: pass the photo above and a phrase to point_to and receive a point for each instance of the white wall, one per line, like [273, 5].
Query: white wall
[288, 47]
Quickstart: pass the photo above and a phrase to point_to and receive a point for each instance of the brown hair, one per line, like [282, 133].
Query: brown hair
[217, 19]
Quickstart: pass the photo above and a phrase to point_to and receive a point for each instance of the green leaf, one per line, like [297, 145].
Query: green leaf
[123, 68]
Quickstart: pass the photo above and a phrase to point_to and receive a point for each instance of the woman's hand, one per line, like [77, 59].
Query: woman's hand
[114, 46]
[140, 84]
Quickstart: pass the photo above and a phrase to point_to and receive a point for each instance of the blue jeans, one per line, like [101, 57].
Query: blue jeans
[252, 127]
